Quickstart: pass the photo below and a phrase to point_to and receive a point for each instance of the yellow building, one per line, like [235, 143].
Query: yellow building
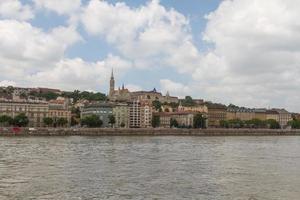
[216, 113]
[36, 111]
[120, 111]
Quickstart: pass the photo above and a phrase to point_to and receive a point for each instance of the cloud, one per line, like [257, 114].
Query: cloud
[149, 35]
[24, 46]
[6, 83]
[175, 88]
[256, 54]
[14, 9]
[61, 7]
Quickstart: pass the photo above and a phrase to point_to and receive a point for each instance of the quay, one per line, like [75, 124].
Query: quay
[144, 132]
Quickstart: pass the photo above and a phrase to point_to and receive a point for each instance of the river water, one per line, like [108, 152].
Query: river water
[233, 168]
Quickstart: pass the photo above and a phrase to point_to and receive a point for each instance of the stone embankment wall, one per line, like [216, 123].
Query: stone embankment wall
[144, 132]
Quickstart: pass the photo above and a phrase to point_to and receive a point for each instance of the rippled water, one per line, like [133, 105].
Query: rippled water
[150, 168]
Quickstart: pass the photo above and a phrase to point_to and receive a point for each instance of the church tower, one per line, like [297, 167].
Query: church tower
[112, 84]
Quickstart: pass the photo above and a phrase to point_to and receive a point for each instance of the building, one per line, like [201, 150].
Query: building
[216, 113]
[146, 114]
[184, 119]
[260, 113]
[200, 108]
[36, 111]
[102, 110]
[153, 95]
[59, 108]
[244, 114]
[124, 95]
[135, 114]
[284, 117]
[121, 113]
[120, 95]
[272, 114]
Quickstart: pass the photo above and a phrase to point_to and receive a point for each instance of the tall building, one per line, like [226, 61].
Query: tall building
[146, 114]
[135, 114]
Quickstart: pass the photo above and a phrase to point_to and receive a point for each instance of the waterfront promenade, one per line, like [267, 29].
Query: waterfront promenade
[144, 132]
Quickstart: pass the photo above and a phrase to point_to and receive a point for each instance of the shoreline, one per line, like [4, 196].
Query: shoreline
[144, 132]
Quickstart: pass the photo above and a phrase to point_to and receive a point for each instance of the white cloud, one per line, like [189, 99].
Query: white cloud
[133, 88]
[24, 47]
[6, 83]
[175, 88]
[62, 7]
[14, 9]
[149, 35]
[256, 57]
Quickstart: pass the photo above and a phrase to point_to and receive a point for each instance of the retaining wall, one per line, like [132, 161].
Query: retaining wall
[144, 132]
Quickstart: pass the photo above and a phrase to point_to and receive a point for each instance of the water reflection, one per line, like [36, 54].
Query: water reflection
[150, 168]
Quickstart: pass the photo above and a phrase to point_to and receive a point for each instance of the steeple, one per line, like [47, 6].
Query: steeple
[112, 73]
[123, 87]
[112, 84]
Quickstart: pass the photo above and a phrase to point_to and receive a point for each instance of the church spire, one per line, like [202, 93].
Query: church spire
[112, 73]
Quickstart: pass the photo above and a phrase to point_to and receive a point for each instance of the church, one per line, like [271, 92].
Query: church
[124, 95]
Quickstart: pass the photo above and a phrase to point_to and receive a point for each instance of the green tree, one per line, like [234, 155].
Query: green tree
[199, 121]
[273, 124]
[92, 121]
[174, 123]
[111, 120]
[188, 101]
[295, 124]
[48, 121]
[155, 121]
[122, 124]
[61, 121]
[224, 124]
[21, 120]
[157, 105]
[5, 120]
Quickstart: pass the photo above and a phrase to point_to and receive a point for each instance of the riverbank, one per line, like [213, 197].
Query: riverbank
[144, 132]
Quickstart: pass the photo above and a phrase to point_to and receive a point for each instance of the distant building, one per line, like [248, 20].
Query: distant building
[244, 114]
[216, 113]
[135, 114]
[260, 113]
[184, 119]
[102, 110]
[36, 111]
[284, 117]
[201, 108]
[121, 113]
[146, 114]
[272, 114]
[59, 108]
[124, 95]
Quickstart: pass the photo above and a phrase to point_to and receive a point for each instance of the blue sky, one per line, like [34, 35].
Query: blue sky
[244, 52]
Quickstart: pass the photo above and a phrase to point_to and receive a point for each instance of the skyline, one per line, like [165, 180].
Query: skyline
[242, 51]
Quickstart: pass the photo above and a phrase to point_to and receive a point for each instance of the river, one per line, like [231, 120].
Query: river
[170, 167]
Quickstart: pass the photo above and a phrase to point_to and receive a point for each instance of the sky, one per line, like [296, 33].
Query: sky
[245, 52]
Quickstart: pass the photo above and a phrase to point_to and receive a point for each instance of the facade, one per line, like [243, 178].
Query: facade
[102, 110]
[216, 113]
[36, 111]
[284, 117]
[184, 119]
[244, 114]
[59, 108]
[260, 113]
[146, 114]
[121, 113]
[197, 108]
[272, 114]
[135, 114]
